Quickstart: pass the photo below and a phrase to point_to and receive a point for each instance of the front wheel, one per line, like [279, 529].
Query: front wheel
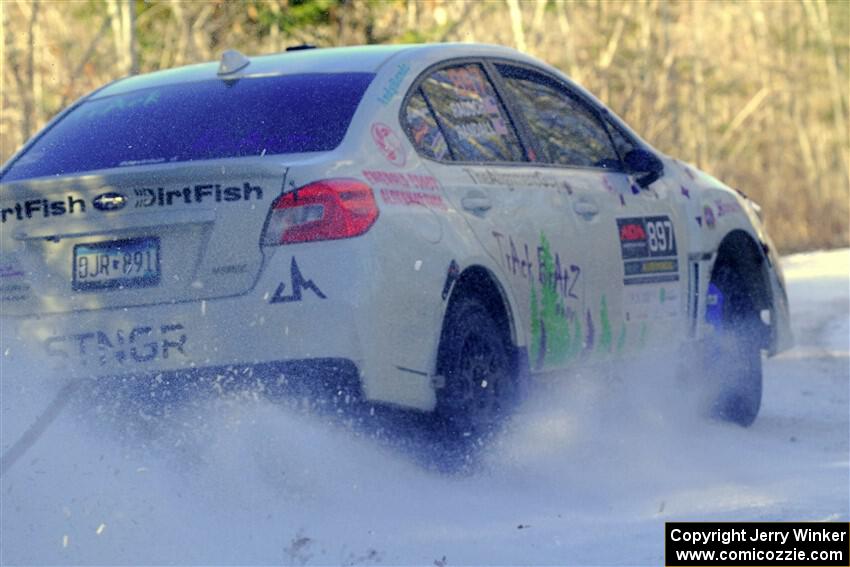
[478, 363]
[732, 357]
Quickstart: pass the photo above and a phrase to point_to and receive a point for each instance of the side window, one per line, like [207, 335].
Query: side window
[566, 130]
[423, 128]
[623, 143]
[471, 115]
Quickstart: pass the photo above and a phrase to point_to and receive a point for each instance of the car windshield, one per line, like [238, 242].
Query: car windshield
[200, 120]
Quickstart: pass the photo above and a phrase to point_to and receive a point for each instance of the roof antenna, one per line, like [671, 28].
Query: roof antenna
[232, 61]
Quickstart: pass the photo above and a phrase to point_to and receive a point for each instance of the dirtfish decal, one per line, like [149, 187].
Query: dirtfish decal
[144, 197]
[149, 197]
[44, 208]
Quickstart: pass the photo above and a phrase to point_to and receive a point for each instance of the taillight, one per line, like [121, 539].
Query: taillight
[322, 210]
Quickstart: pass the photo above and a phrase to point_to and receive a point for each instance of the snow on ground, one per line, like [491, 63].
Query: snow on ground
[587, 473]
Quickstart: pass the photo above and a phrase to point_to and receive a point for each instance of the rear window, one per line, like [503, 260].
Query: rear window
[426, 133]
[201, 120]
[471, 115]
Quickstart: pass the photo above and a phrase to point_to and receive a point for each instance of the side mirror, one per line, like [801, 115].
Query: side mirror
[646, 163]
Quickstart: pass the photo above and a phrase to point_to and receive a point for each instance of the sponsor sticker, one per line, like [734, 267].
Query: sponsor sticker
[648, 248]
[298, 285]
[139, 344]
[112, 201]
[651, 301]
[389, 144]
[394, 83]
[727, 207]
[142, 197]
[406, 189]
[708, 216]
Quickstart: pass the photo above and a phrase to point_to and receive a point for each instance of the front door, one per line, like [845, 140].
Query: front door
[622, 237]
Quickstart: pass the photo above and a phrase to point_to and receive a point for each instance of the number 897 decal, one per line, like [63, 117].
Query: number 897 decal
[648, 246]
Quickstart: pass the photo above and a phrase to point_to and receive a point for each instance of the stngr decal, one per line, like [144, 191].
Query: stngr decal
[139, 344]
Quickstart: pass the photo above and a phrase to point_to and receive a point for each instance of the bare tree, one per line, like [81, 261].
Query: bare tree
[122, 15]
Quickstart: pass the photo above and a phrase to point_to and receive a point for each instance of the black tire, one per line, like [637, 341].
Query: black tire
[733, 354]
[478, 363]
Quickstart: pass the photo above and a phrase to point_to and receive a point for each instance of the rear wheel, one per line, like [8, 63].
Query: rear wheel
[732, 357]
[478, 363]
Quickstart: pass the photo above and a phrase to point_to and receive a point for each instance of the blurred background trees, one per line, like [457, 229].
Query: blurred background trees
[754, 92]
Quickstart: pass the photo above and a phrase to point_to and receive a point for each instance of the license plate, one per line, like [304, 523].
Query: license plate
[116, 264]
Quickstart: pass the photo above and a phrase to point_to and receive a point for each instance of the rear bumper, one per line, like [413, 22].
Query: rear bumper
[162, 338]
[263, 327]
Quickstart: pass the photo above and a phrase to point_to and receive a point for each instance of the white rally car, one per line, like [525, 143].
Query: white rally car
[427, 226]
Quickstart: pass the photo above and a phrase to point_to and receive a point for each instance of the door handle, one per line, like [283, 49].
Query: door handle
[476, 202]
[585, 209]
